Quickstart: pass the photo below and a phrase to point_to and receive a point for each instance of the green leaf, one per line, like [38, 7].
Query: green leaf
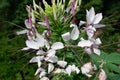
[113, 67]
[113, 58]
[112, 76]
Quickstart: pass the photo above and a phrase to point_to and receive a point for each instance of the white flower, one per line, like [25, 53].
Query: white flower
[87, 68]
[93, 19]
[62, 63]
[72, 68]
[50, 67]
[102, 75]
[90, 45]
[57, 45]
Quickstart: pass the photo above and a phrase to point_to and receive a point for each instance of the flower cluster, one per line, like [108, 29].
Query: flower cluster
[46, 51]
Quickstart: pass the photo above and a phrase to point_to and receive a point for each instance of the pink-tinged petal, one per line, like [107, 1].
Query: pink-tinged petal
[50, 67]
[85, 43]
[90, 16]
[62, 63]
[99, 25]
[102, 75]
[98, 18]
[66, 36]
[75, 33]
[88, 50]
[57, 45]
[96, 51]
[27, 24]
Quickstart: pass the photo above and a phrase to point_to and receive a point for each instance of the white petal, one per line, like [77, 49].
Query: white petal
[57, 45]
[39, 70]
[50, 67]
[96, 51]
[77, 70]
[99, 25]
[98, 41]
[85, 43]
[34, 59]
[43, 73]
[51, 53]
[59, 71]
[75, 33]
[32, 44]
[66, 36]
[98, 18]
[40, 52]
[81, 23]
[62, 63]
[40, 39]
[90, 16]
[68, 70]
[47, 45]
[44, 78]
[25, 48]
[39, 61]
[52, 59]
[22, 32]
[42, 23]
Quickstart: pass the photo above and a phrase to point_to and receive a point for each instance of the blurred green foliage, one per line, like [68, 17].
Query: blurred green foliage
[14, 63]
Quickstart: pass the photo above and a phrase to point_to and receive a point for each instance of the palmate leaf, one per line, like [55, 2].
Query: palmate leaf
[113, 67]
[112, 76]
[111, 61]
[113, 58]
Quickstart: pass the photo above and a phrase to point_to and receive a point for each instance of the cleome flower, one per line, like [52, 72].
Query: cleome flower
[92, 22]
[90, 46]
[87, 69]
[102, 75]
